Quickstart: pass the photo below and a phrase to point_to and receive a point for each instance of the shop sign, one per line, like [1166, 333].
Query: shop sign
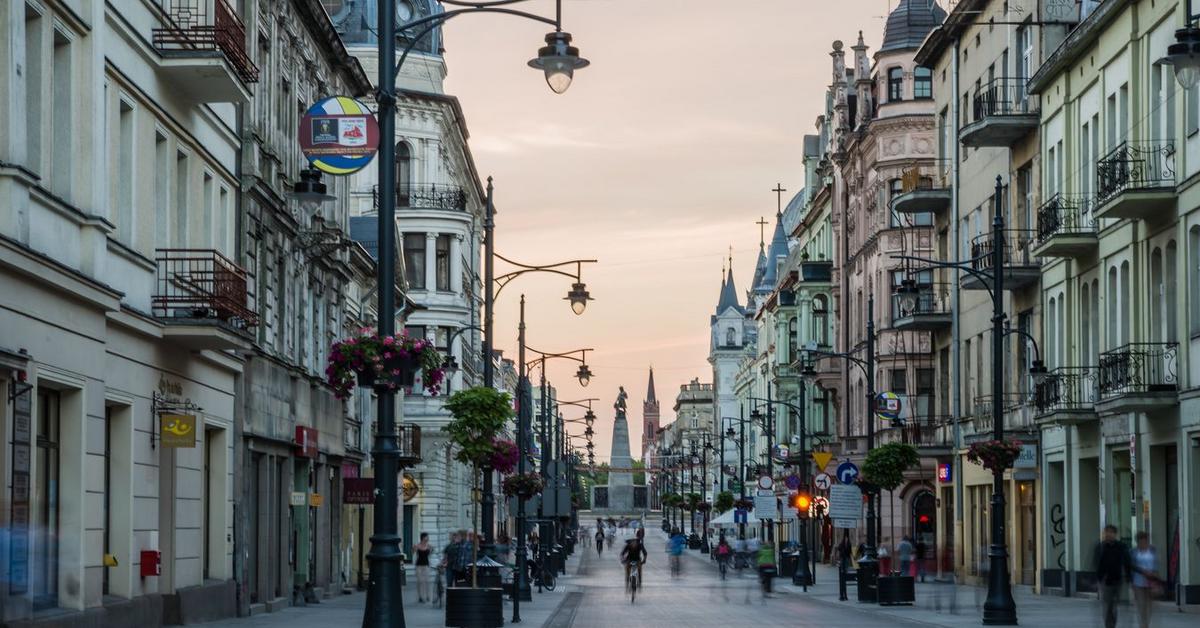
[358, 490]
[887, 406]
[1028, 457]
[177, 430]
[339, 135]
[945, 472]
[299, 498]
[306, 440]
[316, 500]
[18, 526]
[409, 487]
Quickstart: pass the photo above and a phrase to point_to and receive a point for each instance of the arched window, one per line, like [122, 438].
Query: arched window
[793, 340]
[922, 83]
[820, 331]
[1085, 324]
[1193, 269]
[895, 84]
[1171, 292]
[1060, 351]
[1126, 304]
[730, 337]
[403, 174]
[1157, 290]
[1094, 339]
[1052, 331]
[1114, 311]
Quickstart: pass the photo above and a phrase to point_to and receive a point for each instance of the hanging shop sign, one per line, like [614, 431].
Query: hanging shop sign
[316, 500]
[177, 430]
[299, 498]
[358, 490]
[339, 135]
[887, 406]
[409, 487]
[945, 472]
[306, 441]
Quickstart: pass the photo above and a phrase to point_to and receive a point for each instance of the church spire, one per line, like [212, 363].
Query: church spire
[729, 298]
[650, 398]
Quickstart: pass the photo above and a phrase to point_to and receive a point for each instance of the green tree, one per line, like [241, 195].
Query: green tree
[639, 477]
[479, 413]
[724, 502]
[885, 465]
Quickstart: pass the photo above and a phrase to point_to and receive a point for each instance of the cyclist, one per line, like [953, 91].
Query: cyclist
[675, 549]
[634, 552]
[766, 567]
[723, 553]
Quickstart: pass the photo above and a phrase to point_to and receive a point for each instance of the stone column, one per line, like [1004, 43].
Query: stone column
[431, 260]
[456, 264]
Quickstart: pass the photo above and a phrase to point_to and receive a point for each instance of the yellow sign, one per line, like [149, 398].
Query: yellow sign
[178, 430]
[822, 459]
[110, 560]
[316, 499]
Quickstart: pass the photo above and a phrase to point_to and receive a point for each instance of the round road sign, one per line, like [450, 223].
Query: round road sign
[339, 135]
[823, 481]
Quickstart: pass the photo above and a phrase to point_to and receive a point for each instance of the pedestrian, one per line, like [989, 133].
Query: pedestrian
[904, 552]
[599, 540]
[885, 558]
[1113, 568]
[921, 551]
[1145, 578]
[450, 559]
[464, 557]
[502, 547]
[424, 571]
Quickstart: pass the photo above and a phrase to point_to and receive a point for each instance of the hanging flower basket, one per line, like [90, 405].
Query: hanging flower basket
[505, 455]
[522, 485]
[378, 361]
[995, 455]
[744, 504]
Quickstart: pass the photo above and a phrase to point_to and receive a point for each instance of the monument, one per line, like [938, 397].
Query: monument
[620, 495]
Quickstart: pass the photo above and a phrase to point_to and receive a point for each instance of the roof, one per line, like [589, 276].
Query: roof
[909, 23]
[729, 297]
[760, 270]
[650, 398]
[778, 249]
[964, 15]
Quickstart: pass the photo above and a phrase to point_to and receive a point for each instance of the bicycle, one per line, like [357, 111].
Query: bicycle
[723, 566]
[633, 584]
[440, 589]
[546, 578]
[676, 566]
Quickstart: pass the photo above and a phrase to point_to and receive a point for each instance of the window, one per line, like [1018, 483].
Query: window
[1114, 311]
[895, 84]
[208, 210]
[46, 483]
[1193, 270]
[1157, 291]
[162, 218]
[820, 306]
[918, 219]
[62, 146]
[1193, 109]
[730, 338]
[403, 174]
[922, 83]
[414, 260]
[1085, 323]
[442, 259]
[1171, 292]
[1052, 331]
[1025, 195]
[1126, 303]
[181, 200]
[899, 381]
[124, 182]
[33, 89]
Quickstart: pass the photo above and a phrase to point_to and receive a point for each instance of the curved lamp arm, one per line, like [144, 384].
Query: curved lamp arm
[523, 269]
[496, 6]
[965, 267]
[859, 362]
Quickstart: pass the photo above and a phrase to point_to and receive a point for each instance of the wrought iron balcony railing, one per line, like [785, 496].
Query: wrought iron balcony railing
[201, 284]
[408, 444]
[206, 25]
[1003, 97]
[1016, 247]
[1135, 166]
[931, 298]
[426, 196]
[1013, 406]
[1064, 215]
[1067, 389]
[1138, 368]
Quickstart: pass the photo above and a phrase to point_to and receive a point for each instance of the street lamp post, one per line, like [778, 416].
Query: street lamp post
[558, 60]
[799, 409]
[1000, 608]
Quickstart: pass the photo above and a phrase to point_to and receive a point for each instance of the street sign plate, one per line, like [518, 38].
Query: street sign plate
[847, 472]
[823, 481]
[765, 507]
[740, 516]
[765, 482]
[845, 502]
[845, 523]
[788, 514]
[822, 459]
[820, 504]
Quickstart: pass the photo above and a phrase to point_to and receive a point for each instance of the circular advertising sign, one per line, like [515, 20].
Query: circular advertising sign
[339, 135]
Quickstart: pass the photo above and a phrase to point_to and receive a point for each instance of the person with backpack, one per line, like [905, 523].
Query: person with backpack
[723, 552]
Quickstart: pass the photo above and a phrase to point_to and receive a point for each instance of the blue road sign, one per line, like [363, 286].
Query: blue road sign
[847, 472]
[740, 516]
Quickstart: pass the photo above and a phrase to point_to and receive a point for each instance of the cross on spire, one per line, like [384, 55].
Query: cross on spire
[779, 190]
[762, 226]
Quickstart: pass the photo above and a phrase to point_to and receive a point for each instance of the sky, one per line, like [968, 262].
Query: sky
[660, 157]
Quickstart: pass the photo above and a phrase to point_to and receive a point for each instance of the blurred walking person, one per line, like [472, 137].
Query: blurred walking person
[1145, 578]
[1113, 570]
[424, 570]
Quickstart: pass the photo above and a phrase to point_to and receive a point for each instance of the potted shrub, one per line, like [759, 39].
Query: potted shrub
[477, 416]
[884, 468]
[378, 361]
[995, 455]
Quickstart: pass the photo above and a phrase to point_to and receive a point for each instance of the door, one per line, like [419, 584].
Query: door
[1027, 534]
[44, 572]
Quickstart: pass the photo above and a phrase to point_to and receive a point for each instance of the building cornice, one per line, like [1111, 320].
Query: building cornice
[1076, 43]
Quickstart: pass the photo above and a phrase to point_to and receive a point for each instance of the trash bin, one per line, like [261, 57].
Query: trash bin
[487, 573]
[788, 564]
[895, 590]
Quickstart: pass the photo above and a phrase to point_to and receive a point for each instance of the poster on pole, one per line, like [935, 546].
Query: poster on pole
[845, 502]
[765, 506]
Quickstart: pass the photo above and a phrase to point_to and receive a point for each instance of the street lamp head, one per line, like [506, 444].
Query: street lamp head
[1038, 371]
[755, 415]
[1184, 54]
[450, 365]
[310, 191]
[908, 293]
[589, 418]
[579, 297]
[809, 373]
[589, 432]
[558, 59]
[584, 374]
[729, 433]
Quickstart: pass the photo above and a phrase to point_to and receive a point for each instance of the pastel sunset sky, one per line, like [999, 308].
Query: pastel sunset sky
[660, 157]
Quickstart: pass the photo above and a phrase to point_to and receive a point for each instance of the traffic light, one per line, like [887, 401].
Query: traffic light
[802, 502]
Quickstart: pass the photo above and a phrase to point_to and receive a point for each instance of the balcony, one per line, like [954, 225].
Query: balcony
[926, 433]
[818, 271]
[1017, 410]
[1021, 267]
[1139, 377]
[1067, 396]
[201, 298]
[202, 50]
[1136, 180]
[930, 311]
[1002, 113]
[426, 196]
[1066, 228]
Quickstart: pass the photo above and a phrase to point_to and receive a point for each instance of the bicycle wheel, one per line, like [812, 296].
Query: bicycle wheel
[633, 584]
[548, 580]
